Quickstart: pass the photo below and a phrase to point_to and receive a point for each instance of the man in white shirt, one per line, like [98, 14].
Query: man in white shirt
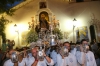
[66, 59]
[84, 56]
[34, 61]
[69, 59]
[9, 62]
[19, 62]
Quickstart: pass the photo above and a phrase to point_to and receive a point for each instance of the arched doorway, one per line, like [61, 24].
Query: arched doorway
[92, 32]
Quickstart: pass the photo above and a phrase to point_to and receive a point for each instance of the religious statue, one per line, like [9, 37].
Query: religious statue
[43, 22]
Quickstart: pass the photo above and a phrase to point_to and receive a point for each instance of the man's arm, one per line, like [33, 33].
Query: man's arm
[60, 60]
[80, 55]
[48, 59]
[35, 63]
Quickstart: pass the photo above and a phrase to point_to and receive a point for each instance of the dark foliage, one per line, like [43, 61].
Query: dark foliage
[6, 5]
[3, 22]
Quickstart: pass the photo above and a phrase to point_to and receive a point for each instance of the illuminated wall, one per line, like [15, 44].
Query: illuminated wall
[63, 11]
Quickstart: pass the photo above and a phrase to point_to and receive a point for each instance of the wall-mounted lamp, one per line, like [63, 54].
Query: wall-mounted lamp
[74, 19]
[73, 28]
[16, 30]
[15, 25]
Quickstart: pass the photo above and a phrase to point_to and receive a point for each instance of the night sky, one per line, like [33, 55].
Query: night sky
[16, 3]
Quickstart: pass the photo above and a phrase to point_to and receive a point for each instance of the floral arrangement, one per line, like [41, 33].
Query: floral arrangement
[32, 36]
[58, 32]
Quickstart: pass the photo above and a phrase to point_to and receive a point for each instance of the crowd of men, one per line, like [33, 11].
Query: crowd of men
[63, 54]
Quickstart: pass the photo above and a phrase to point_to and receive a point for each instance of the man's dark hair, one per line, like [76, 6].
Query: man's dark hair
[78, 42]
[65, 43]
[83, 40]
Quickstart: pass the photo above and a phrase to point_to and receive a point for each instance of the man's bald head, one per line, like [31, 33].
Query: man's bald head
[34, 51]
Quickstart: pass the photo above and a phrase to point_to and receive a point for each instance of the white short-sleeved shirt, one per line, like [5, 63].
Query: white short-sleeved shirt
[30, 61]
[8, 63]
[70, 60]
[22, 63]
[85, 58]
[90, 60]
[60, 61]
[44, 63]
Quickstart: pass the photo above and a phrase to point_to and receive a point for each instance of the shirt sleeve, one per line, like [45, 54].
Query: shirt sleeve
[51, 63]
[5, 64]
[8, 63]
[80, 56]
[60, 61]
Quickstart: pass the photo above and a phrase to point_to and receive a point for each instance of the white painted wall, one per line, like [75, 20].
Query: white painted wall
[63, 11]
